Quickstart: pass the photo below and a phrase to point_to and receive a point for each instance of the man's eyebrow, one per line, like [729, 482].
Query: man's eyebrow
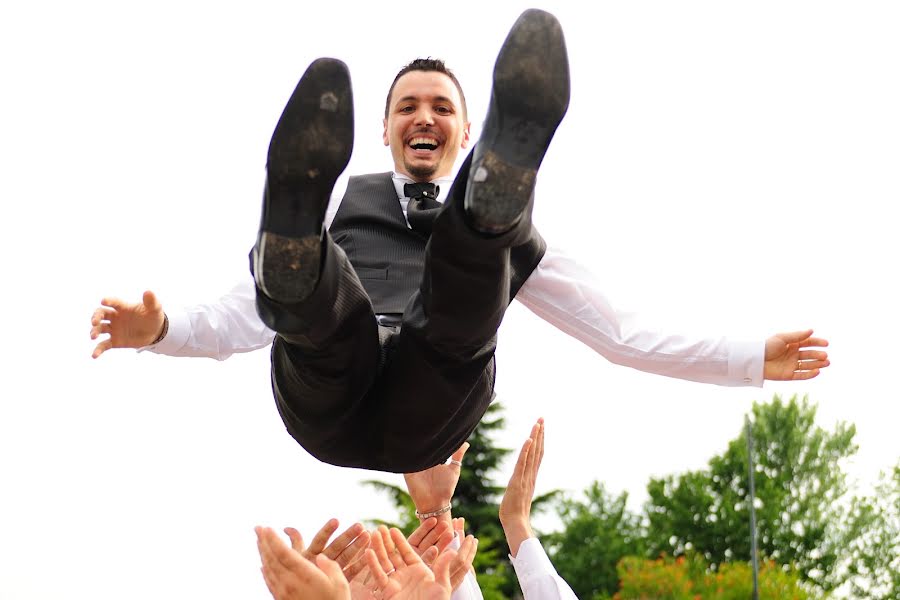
[417, 99]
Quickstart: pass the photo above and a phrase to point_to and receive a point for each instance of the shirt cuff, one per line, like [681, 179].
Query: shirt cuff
[531, 561]
[745, 362]
[176, 337]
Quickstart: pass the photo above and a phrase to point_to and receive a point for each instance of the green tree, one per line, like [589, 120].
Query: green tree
[873, 552]
[598, 532]
[799, 483]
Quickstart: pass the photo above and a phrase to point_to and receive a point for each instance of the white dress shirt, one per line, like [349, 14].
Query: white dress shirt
[559, 290]
[537, 576]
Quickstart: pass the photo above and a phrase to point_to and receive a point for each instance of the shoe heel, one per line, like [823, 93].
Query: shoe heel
[288, 268]
[498, 192]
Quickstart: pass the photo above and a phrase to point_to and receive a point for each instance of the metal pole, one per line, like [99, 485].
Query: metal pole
[753, 551]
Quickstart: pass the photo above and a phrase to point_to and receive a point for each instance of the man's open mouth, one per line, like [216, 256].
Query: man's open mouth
[423, 143]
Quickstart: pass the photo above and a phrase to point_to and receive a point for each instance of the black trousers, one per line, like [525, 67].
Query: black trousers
[357, 394]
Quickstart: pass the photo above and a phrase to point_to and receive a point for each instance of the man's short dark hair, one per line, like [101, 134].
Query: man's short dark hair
[428, 65]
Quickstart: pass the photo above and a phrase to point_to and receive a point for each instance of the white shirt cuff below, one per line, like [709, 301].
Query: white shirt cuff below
[745, 361]
[176, 337]
[537, 576]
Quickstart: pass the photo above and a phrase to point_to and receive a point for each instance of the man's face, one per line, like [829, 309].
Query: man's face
[425, 127]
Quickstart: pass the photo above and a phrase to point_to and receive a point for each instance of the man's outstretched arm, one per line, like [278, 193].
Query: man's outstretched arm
[215, 330]
[570, 297]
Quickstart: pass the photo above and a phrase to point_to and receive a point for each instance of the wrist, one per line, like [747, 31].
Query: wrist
[516, 533]
[163, 330]
[441, 512]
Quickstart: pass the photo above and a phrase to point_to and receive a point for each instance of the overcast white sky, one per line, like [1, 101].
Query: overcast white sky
[723, 167]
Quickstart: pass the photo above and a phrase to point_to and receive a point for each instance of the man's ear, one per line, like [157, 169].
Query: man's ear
[466, 131]
[384, 136]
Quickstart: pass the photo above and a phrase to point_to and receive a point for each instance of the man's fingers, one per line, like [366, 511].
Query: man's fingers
[150, 301]
[813, 355]
[102, 314]
[417, 536]
[355, 567]
[98, 330]
[794, 337]
[465, 556]
[397, 556]
[351, 552]
[111, 302]
[429, 555]
[811, 365]
[376, 570]
[440, 530]
[341, 542]
[441, 567]
[101, 348]
[458, 455]
[405, 555]
[266, 550]
[539, 450]
[459, 526]
[802, 375]
[815, 342]
[442, 542]
[378, 547]
[318, 542]
[295, 537]
[519, 469]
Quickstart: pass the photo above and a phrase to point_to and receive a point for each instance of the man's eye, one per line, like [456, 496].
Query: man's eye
[406, 109]
[444, 110]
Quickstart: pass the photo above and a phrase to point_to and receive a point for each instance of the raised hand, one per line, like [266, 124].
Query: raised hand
[129, 325]
[345, 548]
[432, 489]
[398, 572]
[788, 357]
[290, 576]
[515, 508]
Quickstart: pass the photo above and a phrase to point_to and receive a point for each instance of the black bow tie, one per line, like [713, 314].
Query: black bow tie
[423, 206]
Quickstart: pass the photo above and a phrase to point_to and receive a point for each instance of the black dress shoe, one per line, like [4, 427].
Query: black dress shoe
[310, 148]
[529, 98]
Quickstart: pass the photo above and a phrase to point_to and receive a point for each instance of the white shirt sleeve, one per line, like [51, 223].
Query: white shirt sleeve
[568, 296]
[216, 330]
[468, 589]
[537, 576]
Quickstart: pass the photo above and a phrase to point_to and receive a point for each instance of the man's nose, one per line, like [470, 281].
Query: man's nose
[424, 116]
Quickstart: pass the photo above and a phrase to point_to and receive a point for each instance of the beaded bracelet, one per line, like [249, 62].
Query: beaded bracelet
[435, 513]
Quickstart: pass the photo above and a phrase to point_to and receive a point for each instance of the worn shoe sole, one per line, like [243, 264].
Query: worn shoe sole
[310, 148]
[529, 98]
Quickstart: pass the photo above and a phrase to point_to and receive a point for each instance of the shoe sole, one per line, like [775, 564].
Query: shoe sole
[310, 148]
[529, 99]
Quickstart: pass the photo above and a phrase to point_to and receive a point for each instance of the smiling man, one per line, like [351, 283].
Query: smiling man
[383, 325]
[387, 322]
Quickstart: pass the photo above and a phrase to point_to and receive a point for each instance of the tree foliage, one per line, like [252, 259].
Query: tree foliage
[597, 532]
[872, 555]
[690, 578]
[798, 480]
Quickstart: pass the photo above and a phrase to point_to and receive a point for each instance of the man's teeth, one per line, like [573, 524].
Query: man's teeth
[423, 144]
